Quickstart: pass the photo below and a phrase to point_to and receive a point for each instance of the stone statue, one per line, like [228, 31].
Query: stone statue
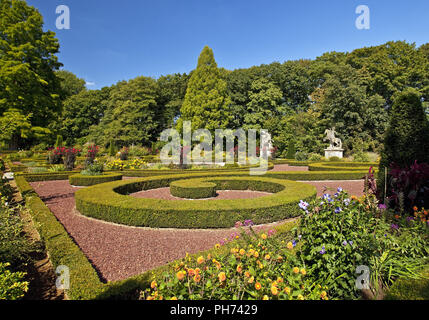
[334, 143]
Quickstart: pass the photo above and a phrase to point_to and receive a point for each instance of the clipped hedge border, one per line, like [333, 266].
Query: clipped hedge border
[48, 176]
[339, 166]
[85, 180]
[191, 189]
[110, 202]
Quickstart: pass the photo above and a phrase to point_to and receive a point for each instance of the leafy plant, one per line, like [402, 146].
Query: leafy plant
[12, 284]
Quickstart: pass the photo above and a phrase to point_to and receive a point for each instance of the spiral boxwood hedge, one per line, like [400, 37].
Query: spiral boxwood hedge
[111, 202]
[86, 180]
[191, 189]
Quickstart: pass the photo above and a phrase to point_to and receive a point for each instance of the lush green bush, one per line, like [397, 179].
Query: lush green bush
[291, 150]
[258, 267]
[57, 168]
[12, 284]
[314, 157]
[301, 156]
[334, 159]
[110, 202]
[340, 233]
[406, 139]
[361, 157]
[193, 189]
[93, 169]
[90, 180]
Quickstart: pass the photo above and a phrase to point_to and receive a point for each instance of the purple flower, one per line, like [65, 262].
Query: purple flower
[248, 223]
[351, 242]
[294, 243]
[347, 201]
[303, 205]
[344, 243]
[410, 218]
[382, 206]
[238, 224]
[323, 251]
[338, 210]
[394, 226]
[336, 194]
[339, 189]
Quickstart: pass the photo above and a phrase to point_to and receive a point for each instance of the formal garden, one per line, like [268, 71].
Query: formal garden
[90, 210]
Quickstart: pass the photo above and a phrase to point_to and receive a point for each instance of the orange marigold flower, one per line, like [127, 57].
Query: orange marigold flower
[256, 254]
[264, 236]
[303, 272]
[197, 270]
[150, 298]
[279, 280]
[239, 269]
[242, 251]
[191, 272]
[180, 275]
[287, 290]
[267, 257]
[153, 284]
[296, 270]
[323, 295]
[200, 260]
[258, 286]
[217, 246]
[289, 245]
[247, 274]
[197, 278]
[274, 290]
[251, 279]
[222, 276]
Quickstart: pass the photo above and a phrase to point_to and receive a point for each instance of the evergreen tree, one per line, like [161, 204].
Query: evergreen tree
[407, 137]
[291, 150]
[206, 101]
[59, 142]
[112, 149]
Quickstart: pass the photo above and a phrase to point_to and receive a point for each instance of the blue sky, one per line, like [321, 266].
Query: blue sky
[110, 41]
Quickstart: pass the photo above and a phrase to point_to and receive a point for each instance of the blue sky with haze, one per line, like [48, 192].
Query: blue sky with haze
[110, 41]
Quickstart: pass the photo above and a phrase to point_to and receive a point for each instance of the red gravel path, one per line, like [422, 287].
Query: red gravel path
[353, 187]
[286, 167]
[164, 193]
[117, 251]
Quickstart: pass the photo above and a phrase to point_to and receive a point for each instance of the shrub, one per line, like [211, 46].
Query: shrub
[12, 284]
[59, 141]
[37, 170]
[191, 189]
[112, 148]
[123, 154]
[91, 154]
[55, 155]
[70, 158]
[334, 159]
[93, 169]
[406, 139]
[136, 151]
[110, 202]
[57, 168]
[340, 233]
[314, 157]
[259, 267]
[291, 150]
[90, 180]
[360, 157]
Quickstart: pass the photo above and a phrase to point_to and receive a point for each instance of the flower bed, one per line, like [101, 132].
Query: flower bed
[87, 180]
[191, 189]
[110, 202]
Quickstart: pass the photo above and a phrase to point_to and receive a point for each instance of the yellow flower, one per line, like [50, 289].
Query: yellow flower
[323, 295]
[296, 270]
[274, 290]
[303, 272]
[258, 286]
[150, 298]
[217, 246]
[289, 245]
[300, 297]
[197, 270]
[247, 274]
[180, 275]
[197, 278]
[222, 276]
[256, 254]
[174, 298]
[153, 284]
[265, 298]
[252, 278]
[279, 280]
[267, 257]
[242, 252]
[239, 269]
[191, 272]
[200, 260]
[287, 290]
[264, 236]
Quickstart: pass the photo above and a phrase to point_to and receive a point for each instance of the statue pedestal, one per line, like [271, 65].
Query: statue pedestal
[329, 153]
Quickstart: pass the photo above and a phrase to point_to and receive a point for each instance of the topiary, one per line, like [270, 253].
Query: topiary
[406, 139]
[112, 149]
[291, 150]
[59, 142]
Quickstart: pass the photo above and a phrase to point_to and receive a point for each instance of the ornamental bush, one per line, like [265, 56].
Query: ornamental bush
[340, 233]
[259, 267]
[193, 189]
[12, 284]
[406, 139]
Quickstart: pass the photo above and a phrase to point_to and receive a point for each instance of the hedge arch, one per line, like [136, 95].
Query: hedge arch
[85, 180]
[111, 202]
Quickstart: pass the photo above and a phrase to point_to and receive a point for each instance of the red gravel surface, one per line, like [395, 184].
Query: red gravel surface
[164, 193]
[286, 167]
[353, 187]
[116, 251]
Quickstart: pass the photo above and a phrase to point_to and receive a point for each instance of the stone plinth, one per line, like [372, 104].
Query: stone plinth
[329, 153]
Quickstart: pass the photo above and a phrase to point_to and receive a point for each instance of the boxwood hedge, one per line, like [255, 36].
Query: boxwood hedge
[191, 189]
[86, 180]
[111, 202]
[339, 166]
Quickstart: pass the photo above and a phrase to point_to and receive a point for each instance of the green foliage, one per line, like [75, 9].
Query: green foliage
[314, 157]
[340, 233]
[192, 189]
[59, 141]
[112, 148]
[254, 268]
[57, 168]
[12, 284]
[70, 83]
[28, 84]
[110, 202]
[407, 137]
[334, 159]
[206, 101]
[291, 150]
[93, 169]
[301, 156]
[93, 179]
